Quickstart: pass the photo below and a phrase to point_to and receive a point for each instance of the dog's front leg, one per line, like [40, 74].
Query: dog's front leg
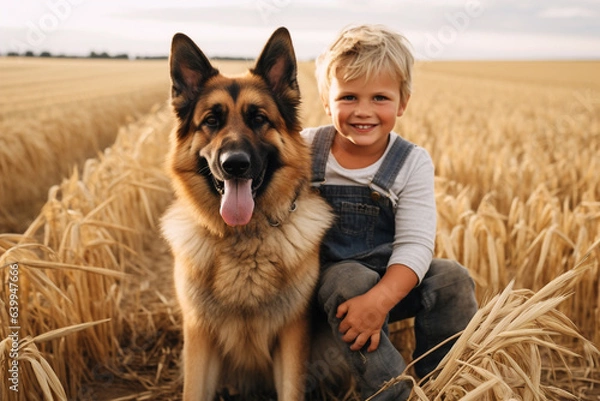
[201, 364]
[290, 360]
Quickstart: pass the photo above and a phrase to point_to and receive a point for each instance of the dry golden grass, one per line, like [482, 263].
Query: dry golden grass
[514, 349]
[517, 193]
[84, 258]
[54, 114]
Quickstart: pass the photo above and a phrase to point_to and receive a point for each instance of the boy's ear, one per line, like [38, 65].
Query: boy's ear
[325, 100]
[190, 68]
[277, 65]
[402, 107]
[326, 107]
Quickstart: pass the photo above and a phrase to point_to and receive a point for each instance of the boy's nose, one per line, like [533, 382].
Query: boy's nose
[363, 108]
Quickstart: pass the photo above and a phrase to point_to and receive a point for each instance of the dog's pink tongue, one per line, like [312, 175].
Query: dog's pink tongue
[237, 203]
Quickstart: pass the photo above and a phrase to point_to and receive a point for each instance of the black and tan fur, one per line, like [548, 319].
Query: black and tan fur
[244, 288]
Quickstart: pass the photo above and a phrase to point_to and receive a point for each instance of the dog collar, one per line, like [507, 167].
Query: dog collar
[293, 207]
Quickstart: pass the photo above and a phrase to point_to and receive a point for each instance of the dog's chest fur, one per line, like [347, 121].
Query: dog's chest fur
[245, 273]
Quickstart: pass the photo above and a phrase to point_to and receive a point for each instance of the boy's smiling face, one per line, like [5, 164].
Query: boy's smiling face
[364, 111]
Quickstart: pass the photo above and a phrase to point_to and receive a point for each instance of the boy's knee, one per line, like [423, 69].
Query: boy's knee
[345, 280]
[453, 273]
[450, 283]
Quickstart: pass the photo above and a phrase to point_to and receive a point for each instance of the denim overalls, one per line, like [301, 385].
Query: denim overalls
[364, 228]
[354, 256]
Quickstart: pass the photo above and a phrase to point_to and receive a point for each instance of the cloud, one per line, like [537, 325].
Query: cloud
[478, 45]
[436, 28]
[567, 13]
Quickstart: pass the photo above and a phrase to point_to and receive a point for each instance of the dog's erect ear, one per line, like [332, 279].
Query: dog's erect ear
[277, 63]
[190, 68]
[277, 66]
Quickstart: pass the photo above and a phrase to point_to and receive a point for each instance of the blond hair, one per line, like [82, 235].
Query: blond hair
[363, 51]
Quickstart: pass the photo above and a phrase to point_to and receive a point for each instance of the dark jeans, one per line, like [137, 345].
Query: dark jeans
[442, 305]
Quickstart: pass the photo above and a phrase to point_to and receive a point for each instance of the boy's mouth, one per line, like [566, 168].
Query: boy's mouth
[363, 126]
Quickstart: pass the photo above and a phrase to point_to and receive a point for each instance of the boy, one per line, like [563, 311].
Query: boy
[377, 258]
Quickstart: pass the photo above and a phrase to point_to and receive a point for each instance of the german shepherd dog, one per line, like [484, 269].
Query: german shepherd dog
[245, 227]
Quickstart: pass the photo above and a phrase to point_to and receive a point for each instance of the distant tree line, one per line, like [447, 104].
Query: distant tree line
[105, 55]
[92, 54]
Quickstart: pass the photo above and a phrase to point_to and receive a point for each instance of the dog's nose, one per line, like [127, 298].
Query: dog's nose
[235, 163]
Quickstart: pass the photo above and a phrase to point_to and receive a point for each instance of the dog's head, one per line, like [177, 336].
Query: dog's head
[236, 142]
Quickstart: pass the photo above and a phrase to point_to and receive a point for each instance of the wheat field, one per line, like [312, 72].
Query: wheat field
[517, 152]
[55, 114]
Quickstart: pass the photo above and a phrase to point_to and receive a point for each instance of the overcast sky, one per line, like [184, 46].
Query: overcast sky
[437, 29]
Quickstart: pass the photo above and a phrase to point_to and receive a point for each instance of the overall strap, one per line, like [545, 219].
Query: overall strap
[390, 167]
[321, 145]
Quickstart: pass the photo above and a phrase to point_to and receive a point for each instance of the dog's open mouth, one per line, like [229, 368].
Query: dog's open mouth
[237, 198]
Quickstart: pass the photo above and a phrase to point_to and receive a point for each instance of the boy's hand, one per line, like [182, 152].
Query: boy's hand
[362, 320]
[363, 316]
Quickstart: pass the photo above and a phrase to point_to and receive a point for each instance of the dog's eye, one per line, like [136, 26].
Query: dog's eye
[211, 122]
[259, 120]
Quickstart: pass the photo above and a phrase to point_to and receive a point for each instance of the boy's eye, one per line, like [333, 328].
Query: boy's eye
[379, 98]
[348, 97]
